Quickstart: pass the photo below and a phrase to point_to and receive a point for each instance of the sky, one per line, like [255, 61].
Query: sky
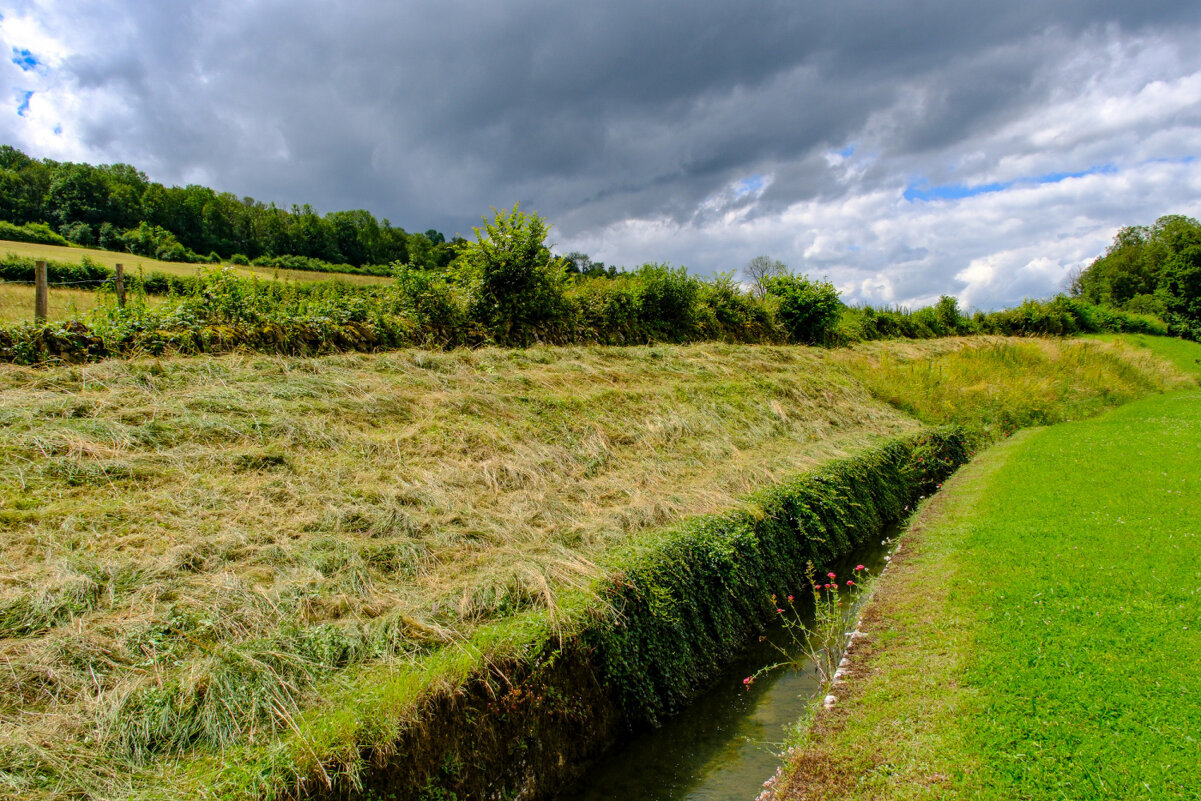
[901, 149]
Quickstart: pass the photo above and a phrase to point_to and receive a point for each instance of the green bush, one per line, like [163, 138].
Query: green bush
[515, 289]
[731, 314]
[437, 311]
[35, 232]
[689, 602]
[667, 303]
[606, 311]
[808, 310]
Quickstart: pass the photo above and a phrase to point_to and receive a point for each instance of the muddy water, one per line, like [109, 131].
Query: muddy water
[727, 742]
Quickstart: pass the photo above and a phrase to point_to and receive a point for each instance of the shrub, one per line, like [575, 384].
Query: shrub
[606, 311]
[514, 287]
[37, 233]
[808, 310]
[79, 233]
[426, 297]
[667, 302]
[731, 314]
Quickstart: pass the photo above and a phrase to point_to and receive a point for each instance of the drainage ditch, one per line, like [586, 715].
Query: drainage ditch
[726, 743]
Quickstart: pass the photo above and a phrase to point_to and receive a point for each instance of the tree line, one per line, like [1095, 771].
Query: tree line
[116, 207]
[1150, 269]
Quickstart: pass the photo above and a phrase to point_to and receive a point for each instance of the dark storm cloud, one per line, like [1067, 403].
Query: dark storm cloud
[445, 108]
[430, 112]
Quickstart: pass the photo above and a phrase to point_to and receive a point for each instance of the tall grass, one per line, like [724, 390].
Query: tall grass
[995, 386]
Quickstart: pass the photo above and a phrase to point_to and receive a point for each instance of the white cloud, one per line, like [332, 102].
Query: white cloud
[989, 250]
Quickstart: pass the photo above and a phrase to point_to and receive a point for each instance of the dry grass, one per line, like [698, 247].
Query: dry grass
[108, 258]
[190, 544]
[154, 514]
[16, 303]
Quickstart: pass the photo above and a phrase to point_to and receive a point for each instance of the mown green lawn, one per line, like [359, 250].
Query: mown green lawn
[1042, 636]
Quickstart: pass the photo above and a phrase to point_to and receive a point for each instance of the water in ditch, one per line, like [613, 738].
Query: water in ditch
[727, 742]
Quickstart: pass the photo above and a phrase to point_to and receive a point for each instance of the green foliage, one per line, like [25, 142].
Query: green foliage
[156, 242]
[1182, 283]
[807, 310]
[38, 233]
[682, 607]
[436, 309]
[730, 314]
[69, 196]
[513, 286]
[667, 303]
[79, 233]
[1142, 272]
[1065, 316]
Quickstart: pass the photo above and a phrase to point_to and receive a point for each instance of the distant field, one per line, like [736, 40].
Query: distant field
[16, 303]
[133, 263]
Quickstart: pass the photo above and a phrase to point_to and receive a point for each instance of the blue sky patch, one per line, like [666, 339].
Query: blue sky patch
[922, 190]
[847, 151]
[748, 185]
[23, 106]
[25, 60]
[58, 130]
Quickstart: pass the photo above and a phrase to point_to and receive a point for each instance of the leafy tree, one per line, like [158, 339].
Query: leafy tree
[513, 284]
[1182, 284]
[1131, 273]
[77, 193]
[808, 310]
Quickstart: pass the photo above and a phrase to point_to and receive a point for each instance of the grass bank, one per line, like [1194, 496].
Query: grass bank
[1038, 639]
[250, 552]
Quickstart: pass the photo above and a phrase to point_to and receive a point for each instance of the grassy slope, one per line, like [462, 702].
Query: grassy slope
[72, 255]
[162, 521]
[1040, 638]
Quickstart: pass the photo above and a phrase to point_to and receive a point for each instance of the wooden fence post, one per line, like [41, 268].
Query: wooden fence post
[119, 285]
[41, 293]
